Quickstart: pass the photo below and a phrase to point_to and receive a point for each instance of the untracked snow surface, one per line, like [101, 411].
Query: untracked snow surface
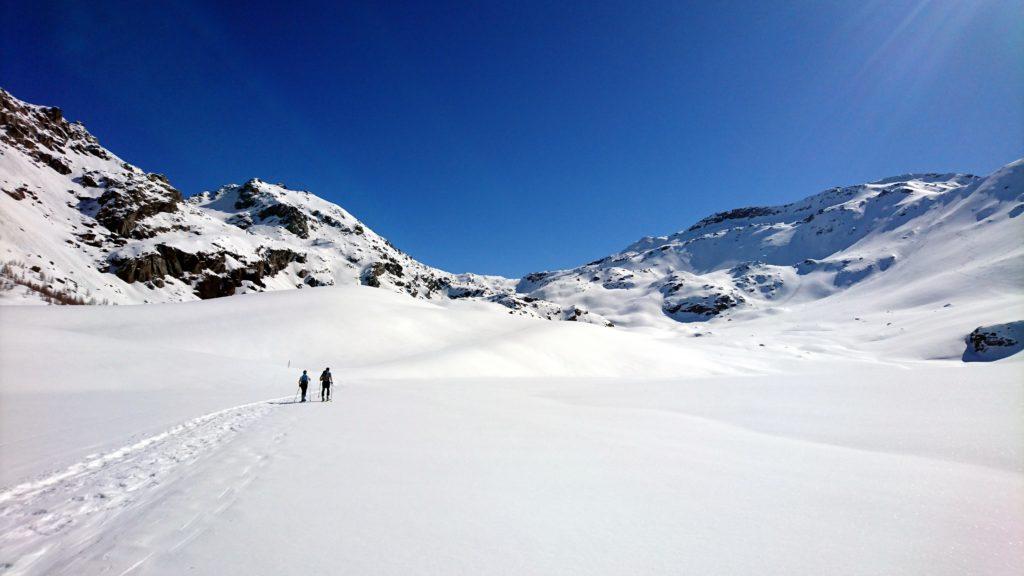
[165, 439]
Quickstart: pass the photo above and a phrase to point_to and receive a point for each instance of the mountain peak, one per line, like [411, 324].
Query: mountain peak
[81, 221]
[101, 230]
[752, 258]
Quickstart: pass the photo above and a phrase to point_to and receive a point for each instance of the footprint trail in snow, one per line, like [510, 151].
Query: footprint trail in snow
[55, 513]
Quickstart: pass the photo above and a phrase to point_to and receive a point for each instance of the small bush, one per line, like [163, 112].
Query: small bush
[12, 273]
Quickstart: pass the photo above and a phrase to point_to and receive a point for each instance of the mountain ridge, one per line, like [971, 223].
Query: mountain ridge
[82, 224]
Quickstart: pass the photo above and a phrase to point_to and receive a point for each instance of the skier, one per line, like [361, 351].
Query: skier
[303, 382]
[325, 385]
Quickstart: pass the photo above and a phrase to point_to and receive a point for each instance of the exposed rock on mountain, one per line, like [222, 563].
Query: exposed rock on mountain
[88, 227]
[752, 260]
[42, 134]
[988, 343]
[103, 231]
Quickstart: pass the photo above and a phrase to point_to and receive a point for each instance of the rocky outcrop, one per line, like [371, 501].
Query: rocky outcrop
[699, 307]
[525, 305]
[125, 204]
[995, 342]
[18, 193]
[167, 261]
[43, 134]
[132, 230]
[373, 273]
[248, 195]
[755, 277]
[290, 217]
[737, 214]
[207, 272]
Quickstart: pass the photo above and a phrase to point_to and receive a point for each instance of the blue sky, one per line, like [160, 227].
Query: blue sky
[510, 137]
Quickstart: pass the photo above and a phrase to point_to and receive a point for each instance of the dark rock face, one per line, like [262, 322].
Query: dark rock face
[981, 340]
[371, 276]
[435, 284]
[330, 221]
[137, 226]
[248, 196]
[167, 261]
[291, 217]
[206, 271]
[988, 343]
[419, 284]
[242, 220]
[58, 165]
[618, 281]
[122, 206]
[18, 193]
[701, 306]
[672, 285]
[88, 181]
[259, 204]
[753, 277]
[737, 214]
[214, 286]
[534, 281]
[44, 134]
[465, 292]
[312, 282]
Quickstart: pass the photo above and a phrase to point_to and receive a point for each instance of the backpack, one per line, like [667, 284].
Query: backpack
[304, 379]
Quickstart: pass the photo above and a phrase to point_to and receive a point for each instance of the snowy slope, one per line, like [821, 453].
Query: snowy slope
[253, 339]
[796, 391]
[887, 253]
[139, 440]
[81, 225]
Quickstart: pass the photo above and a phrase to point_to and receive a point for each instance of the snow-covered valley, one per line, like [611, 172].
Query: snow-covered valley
[466, 442]
[832, 386]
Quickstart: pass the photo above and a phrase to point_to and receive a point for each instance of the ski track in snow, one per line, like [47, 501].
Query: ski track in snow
[37, 517]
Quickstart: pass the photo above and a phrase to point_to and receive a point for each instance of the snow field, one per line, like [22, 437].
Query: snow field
[708, 456]
[35, 515]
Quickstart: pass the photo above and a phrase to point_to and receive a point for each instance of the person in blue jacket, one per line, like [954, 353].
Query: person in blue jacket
[303, 383]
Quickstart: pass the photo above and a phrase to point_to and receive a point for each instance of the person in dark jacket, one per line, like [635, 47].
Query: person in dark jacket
[303, 383]
[325, 385]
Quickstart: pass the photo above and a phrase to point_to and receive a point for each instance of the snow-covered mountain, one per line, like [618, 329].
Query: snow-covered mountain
[851, 384]
[81, 225]
[933, 237]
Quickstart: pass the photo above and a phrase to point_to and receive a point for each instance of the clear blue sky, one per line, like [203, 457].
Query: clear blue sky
[509, 137]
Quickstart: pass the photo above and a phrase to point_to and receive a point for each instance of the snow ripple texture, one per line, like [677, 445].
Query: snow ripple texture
[36, 517]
